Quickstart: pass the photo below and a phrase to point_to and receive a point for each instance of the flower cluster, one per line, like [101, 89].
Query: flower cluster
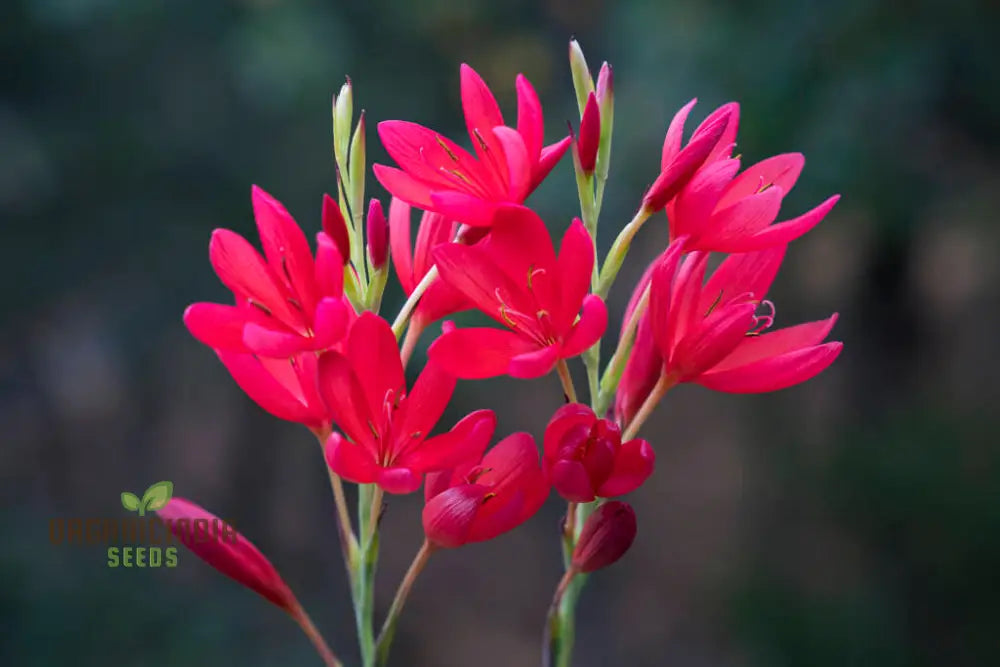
[304, 338]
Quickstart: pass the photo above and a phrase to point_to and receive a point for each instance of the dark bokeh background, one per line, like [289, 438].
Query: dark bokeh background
[854, 520]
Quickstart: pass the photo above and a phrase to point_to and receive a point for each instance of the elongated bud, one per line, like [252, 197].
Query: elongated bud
[336, 227]
[357, 167]
[583, 82]
[607, 535]
[343, 112]
[378, 235]
[605, 86]
[218, 544]
[590, 135]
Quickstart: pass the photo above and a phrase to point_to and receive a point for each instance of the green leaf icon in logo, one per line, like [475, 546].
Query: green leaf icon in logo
[130, 501]
[156, 497]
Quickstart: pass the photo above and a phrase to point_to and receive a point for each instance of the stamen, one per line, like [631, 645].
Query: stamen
[447, 150]
[482, 142]
[762, 322]
[714, 304]
[262, 307]
[489, 496]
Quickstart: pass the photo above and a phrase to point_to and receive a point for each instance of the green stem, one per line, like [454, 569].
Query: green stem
[569, 391]
[385, 636]
[369, 505]
[613, 373]
[616, 256]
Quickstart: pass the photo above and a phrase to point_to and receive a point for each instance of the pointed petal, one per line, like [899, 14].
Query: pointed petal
[551, 155]
[781, 170]
[398, 480]
[330, 322]
[530, 123]
[534, 364]
[482, 114]
[728, 228]
[374, 355]
[329, 267]
[675, 135]
[266, 391]
[774, 373]
[285, 247]
[429, 157]
[520, 244]
[399, 243]
[575, 266]
[741, 274]
[692, 209]
[634, 464]
[274, 343]
[465, 442]
[565, 419]
[233, 555]
[642, 370]
[479, 353]
[660, 295]
[571, 481]
[778, 342]
[352, 462]
[471, 271]
[706, 346]
[785, 232]
[335, 227]
[218, 326]
[400, 184]
[685, 310]
[434, 230]
[465, 208]
[243, 270]
[518, 165]
[588, 330]
[345, 398]
[425, 404]
[724, 145]
[448, 516]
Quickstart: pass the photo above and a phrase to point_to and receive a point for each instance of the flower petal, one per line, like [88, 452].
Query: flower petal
[352, 462]
[729, 227]
[745, 273]
[465, 442]
[424, 405]
[661, 287]
[789, 230]
[781, 170]
[571, 481]
[398, 480]
[634, 464]
[575, 266]
[285, 247]
[777, 342]
[268, 342]
[692, 208]
[516, 160]
[674, 139]
[712, 342]
[218, 326]
[530, 123]
[551, 155]
[774, 373]
[266, 390]
[400, 184]
[399, 243]
[563, 421]
[345, 398]
[374, 355]
[448, 516]
[589, 328]
[472, 271]
[534, 364]
[467, 209]
[478, 353]
[329, 267]
[330, 322]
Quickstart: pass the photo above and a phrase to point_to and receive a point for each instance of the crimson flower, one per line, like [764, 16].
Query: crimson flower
[606, 536]
[711, 333]
[227, 551]
[721, 211]
[287, 388]
[438, 175]
[480, 500]
[412, 264]
[286, 303]
[365, 391]
[515, 277]
[585, 457]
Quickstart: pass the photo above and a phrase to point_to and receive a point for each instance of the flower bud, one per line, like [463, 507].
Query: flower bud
[605, 86]
[343, 112]
[378, 235]
[607, 535]
[590, 135]
[227, 551]
[583, 82]
[336, 227]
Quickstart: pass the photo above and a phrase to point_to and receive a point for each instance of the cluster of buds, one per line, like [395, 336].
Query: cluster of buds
[305, 340]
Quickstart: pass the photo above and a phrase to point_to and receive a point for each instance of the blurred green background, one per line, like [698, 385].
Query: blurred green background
[854, 520]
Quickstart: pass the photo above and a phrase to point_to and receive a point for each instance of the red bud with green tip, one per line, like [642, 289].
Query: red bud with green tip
[590, 135]
[378, 235]
[607, 535]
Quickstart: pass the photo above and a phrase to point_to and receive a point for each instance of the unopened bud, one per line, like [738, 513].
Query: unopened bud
[583, 82]
[607, 535]
[605, 85]
[590, 135]
[343, 112]
[336, 227]
[378, 235]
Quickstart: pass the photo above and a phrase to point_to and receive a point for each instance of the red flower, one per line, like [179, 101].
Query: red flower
[285, 304]
[515, 277]
[585, 457]
[227, 551]
[438, 175]
[710, 333]
[720, 211]
[712, 139]
[590, 135]
[365, 392]
[606, 537]
[644, 364]
[476, 502]
[440, 299]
